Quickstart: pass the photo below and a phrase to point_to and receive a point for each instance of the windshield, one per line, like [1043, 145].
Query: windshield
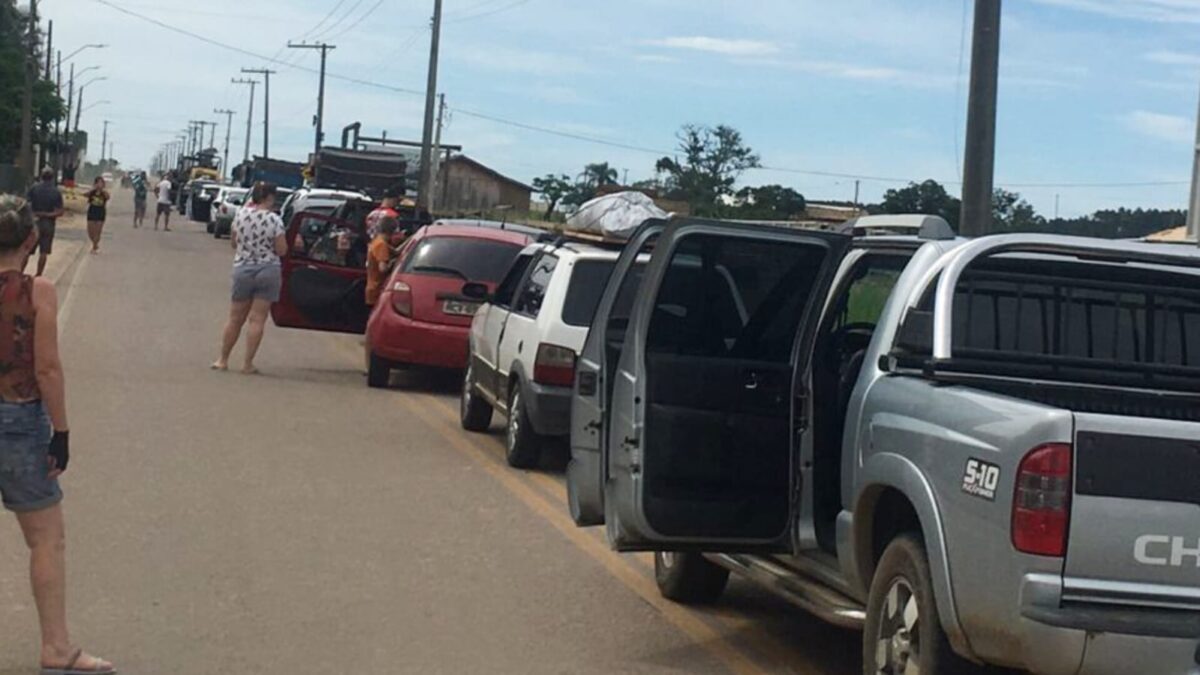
[470, 259]
[587, 285]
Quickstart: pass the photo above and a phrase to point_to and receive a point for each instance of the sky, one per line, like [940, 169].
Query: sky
[1092, 92]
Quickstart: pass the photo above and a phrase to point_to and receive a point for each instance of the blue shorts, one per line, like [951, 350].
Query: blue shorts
[25, 483]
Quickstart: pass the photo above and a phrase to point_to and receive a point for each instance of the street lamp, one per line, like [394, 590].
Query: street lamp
[104, 102]
[88, 46]
[81, 72]
[79, 110]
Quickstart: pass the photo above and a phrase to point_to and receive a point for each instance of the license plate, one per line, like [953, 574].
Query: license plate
[460, 308]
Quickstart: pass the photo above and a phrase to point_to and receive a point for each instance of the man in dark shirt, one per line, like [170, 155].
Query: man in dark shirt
[47, 204]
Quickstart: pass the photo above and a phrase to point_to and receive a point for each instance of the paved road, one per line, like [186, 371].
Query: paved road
[297, 522]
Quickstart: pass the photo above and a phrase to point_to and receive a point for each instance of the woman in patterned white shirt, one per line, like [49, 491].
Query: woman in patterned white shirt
[259, 241]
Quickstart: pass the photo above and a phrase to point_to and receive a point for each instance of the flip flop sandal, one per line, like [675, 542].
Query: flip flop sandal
[70, 668]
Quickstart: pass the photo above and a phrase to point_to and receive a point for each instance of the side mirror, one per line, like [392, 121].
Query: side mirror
[476, 291]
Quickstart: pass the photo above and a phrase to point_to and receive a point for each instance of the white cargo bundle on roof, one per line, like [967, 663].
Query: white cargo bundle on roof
[614, 217]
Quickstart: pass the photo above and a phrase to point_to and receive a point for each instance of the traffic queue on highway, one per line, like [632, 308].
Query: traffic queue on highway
[903, 432]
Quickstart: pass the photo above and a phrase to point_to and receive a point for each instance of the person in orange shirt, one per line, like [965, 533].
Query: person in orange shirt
[379, 257]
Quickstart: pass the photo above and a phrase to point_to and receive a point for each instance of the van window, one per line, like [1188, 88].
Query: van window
[588, 281]
[530, 301]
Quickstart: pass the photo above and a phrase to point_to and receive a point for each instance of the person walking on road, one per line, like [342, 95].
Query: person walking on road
[259, 240]
[47, 203]
[139, 198]
[34, 449]
[163, 189]
[97, 213]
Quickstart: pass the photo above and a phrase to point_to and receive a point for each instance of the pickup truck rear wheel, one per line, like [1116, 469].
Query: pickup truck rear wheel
[903, 634]
[523, 448]
[473, 412]
[689, 578]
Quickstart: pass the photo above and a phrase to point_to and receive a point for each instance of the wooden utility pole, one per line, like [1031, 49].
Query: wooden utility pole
[980, 164]
[25, 158]
[424, 192]
[319, 120]
[266, 73]
[437, 153]
[249, 115]
[225, 173]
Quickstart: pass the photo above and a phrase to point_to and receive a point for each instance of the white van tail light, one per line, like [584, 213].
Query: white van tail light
[1042, 504]
[554, 366]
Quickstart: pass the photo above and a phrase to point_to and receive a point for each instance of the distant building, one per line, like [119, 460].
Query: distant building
[466, 186]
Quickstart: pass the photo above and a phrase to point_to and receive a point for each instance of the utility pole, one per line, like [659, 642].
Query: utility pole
[250, 115]
[979, 166]
[319, 120]
[1193, 217]
[31, 72]
[212, 135]
[266, 73]
[225, 173]
[58, 139]
[437, 154]
[424, 194]
[857, 186]
[104, 143]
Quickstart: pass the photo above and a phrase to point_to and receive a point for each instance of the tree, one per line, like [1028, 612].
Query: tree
[771, 202]
[47, 105]
[1011, 213]
[553, 188]
[597, 176]
[929, 198]
[713, 159]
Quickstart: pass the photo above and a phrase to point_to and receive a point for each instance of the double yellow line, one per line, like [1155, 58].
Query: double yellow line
[547, 497]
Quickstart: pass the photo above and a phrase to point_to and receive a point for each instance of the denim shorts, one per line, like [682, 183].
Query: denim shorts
[257, 282]
[25, 483]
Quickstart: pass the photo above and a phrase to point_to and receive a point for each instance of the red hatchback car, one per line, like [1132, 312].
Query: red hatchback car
[422, 317]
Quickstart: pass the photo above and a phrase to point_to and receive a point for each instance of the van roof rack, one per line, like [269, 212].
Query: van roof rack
[930, 228]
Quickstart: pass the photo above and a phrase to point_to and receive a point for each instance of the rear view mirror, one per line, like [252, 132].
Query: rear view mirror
[476, 291]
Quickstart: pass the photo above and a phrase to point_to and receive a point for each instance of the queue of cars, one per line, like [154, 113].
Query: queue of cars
[975, 452]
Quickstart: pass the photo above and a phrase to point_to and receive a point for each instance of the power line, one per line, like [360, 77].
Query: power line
[491, 12]
[320, 34]
[357, 23]
[320, 23]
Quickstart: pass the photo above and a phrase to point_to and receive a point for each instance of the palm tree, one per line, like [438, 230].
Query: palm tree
[598, 175]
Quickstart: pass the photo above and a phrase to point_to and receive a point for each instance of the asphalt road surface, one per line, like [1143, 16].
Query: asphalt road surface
[297, 522]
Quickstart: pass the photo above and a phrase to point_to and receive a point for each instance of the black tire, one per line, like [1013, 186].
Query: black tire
[689, 578]
[210, 227]
[474, 413]
[901, 603]
[523, 447]
[379, 372]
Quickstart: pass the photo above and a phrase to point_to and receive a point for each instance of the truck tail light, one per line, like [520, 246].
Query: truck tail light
[554, 366]
[1042, 503]
[402, 300]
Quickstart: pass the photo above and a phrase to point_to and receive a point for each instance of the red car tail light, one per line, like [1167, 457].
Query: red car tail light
[402, 300]
[554, 366]
[1042, 503]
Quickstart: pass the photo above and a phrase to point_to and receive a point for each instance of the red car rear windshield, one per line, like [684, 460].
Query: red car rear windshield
[468, 259]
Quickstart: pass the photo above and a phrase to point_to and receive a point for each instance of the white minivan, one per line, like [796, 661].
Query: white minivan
[524, 343]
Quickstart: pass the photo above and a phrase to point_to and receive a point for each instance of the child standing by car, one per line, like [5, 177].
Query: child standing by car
[379, 257]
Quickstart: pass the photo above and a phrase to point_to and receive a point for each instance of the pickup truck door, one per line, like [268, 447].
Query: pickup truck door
[324, 286]
[709, 388]
[586, 473]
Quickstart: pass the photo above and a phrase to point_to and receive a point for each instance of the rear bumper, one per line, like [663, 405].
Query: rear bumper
[418, 343]
[1076, 638]
[548, 409]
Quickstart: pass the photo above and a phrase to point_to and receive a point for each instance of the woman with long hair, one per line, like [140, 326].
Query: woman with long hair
[33, 434]
[259, 241]
[97, 213]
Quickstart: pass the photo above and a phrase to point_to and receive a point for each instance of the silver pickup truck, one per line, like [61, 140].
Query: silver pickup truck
[976, 451]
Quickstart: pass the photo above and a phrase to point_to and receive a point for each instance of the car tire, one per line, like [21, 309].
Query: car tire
[521, 445]
[379, 372]
[474, 413]
[689, 578]
[903, 624]
[210, 227]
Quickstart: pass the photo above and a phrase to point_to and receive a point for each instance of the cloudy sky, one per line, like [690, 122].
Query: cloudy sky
[1092, 91]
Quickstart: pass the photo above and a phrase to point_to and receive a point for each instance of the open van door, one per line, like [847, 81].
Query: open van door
[710, 390]
[586, 473]
[324, 280]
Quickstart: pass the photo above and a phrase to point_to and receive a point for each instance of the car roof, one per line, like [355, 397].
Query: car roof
[578, 249]
[324, 193]
[468, 232]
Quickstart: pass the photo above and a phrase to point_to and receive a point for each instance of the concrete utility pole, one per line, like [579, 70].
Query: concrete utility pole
[1193, 218]
[249, 115]
[225, 173]
[104, 143]
[980, 164]
[319, 120]
[424, 191]
[437, 154]
[31, 72]
[212, 135]
[58, 139]
[266, 73]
